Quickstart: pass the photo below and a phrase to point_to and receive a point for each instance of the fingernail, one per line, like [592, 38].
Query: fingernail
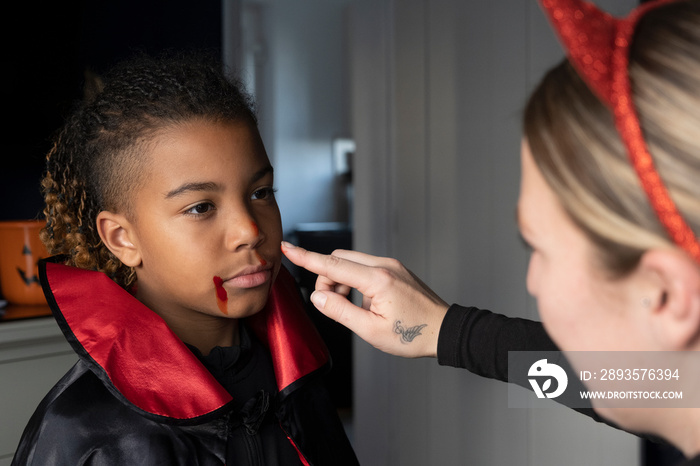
[287, 245]
[319, 299]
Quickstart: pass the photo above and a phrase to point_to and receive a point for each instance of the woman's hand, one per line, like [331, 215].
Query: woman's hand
[399, 315]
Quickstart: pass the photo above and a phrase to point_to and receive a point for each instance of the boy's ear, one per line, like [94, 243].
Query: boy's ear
[118, 235]
[675, 298]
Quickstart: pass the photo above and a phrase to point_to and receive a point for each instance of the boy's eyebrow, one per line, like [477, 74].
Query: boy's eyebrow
[262, 172]
[211, 186]
[189, 187]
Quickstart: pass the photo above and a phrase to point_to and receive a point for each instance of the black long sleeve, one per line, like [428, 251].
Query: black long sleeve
[479, 340]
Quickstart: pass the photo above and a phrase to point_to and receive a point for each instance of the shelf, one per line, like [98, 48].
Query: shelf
[15, 312]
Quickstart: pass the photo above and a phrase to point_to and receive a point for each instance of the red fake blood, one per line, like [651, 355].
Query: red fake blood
[262, 261]
[221, 295]
[256, 230]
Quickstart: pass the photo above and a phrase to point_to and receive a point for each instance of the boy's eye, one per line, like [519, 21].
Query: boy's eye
[200, 209]
[263, 193]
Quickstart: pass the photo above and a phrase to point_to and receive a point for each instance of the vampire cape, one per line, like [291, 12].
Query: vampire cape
[139, 396]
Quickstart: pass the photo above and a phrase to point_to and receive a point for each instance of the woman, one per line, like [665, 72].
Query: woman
[609, 203]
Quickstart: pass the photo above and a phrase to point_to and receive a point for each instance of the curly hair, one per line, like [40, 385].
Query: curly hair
[97, 156]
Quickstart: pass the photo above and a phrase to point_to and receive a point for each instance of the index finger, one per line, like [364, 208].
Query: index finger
[339, 270]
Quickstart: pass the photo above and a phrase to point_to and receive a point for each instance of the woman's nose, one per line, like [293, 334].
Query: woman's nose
[531, 280]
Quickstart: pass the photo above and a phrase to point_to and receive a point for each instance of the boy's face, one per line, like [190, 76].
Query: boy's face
[206, 223]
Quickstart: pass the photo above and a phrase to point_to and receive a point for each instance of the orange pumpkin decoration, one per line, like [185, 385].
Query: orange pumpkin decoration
[20, 251]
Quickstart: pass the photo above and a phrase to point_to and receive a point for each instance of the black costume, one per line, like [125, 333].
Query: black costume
[139, 396]
[479, 340]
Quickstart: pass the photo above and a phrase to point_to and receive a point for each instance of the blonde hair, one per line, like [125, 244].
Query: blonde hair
[575, 145]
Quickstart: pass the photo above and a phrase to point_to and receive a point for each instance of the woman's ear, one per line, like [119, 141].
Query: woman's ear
[118, 234]
[674, 301]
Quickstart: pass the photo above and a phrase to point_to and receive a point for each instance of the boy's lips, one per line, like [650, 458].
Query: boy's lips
[250, 277]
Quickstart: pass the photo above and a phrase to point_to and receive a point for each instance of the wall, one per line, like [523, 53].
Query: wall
[34, 355]
[437, 91]
[46, 60]
[302, 95]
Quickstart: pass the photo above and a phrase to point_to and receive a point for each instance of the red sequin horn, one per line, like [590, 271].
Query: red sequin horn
[597, 45]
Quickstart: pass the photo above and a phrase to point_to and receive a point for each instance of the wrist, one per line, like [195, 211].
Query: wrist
[435, 327]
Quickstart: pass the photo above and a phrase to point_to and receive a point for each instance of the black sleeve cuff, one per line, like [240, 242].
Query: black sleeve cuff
[449, 340]
[479, 340]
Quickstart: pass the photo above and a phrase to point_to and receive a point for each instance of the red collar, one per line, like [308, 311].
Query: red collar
[132, 349]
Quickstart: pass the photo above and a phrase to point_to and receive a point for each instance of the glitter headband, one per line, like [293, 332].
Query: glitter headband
[597, 46]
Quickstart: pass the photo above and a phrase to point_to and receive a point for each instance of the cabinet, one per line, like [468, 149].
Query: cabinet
[34, 355]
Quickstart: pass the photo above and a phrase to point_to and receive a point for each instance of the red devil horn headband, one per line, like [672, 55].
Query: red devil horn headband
[597, 45]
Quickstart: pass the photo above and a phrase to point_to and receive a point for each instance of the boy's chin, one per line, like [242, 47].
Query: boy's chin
[236, 309]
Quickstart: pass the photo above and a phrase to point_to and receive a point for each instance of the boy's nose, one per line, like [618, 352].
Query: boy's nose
[243, 233]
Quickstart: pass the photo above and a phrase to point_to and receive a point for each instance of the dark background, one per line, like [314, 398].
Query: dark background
[50, 49]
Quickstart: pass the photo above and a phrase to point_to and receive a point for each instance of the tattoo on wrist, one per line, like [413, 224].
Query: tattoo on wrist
[408, 334]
